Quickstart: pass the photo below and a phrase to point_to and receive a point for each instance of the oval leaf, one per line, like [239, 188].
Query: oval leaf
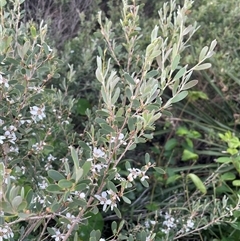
[55, 175]
[203, 66]
[190, 84]
[198, 183]
[179, 97]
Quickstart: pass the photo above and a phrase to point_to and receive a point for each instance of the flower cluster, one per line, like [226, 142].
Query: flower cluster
[108, 198]
[6, 232]
[135, 172]
[37, 113]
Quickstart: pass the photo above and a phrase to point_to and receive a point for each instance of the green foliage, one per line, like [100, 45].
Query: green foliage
[58, 184]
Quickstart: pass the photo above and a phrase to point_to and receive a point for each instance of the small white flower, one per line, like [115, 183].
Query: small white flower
[144, 177]
[1, 122]
[1, 139]
[4, 81]
[120, 139]
[102, 239]
[98, 167]
[82, 195]
[58, 236]
[10, 133]
[97, 152]
[43, 185]
[51, 158]
[37, 113]
[103, 200]
[134, 173]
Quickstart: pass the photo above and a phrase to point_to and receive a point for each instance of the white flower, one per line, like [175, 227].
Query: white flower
[6, 232]
[97, 152]
[103, 200]
[102, 239]
[144, 177]
[1, 122]
[37, 113]
[120, 139]
[10, 133]
[1, 139]
[4, 81]
[98, 167]
[51, 158]
[43, 185]
[134, 173]
[38, 146]
[82, 195]
[58, 236]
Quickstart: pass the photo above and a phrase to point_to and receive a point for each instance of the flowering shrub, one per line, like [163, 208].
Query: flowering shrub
[55, 182]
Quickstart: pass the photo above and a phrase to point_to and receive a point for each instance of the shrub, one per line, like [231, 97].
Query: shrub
[54, 182]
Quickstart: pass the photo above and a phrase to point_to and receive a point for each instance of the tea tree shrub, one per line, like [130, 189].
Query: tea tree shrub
[57, 184]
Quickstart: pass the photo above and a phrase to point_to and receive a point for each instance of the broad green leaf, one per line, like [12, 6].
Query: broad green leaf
[224, 159]
[80, 187]
[126, 200]
[228, 176]
[114, 227]
[190, 84]
[53, 188]
[147, 158]
[236, 183]
[78, 174]
[107, 128]
[65, 184]
[84, 145]
[118, 213]
[86, 167]
[129, 79]
[159, 170]
[16, 202]
[152, 74]
[170, 144]
[179, 96]
[29, 196]
[203, 66]
[172, 179]
[55, 175]
[198, 183]
[188, 155]
[22, 206]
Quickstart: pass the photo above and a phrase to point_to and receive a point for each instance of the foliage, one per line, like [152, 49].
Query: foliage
[61, 185]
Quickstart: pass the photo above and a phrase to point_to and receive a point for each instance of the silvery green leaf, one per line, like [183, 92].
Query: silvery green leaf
[187, 30]
[154, 33]
[213, 45]
[203, 66]
[190, 84]
[152, 74]
[203, 53]
[129, 79]
[116, 95]
[175, 62]
[175, 87]
[179, 97]
[180, 73]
